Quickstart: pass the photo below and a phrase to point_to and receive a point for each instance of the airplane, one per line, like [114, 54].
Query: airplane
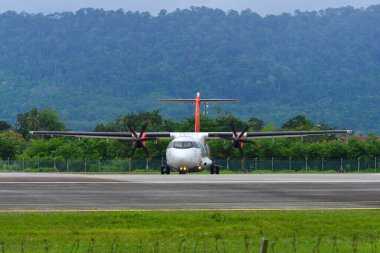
[188, 151]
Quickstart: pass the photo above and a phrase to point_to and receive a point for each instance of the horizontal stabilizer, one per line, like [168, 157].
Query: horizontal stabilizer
[201, 100]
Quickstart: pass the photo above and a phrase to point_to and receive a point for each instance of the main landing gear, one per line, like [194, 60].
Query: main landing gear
[165, 170]
[214, 169]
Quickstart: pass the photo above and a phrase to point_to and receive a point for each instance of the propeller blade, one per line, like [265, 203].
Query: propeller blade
[142, 131]
[237, 139]
[227, 151]
[132, 131]
[233, 129]
[244, 131]
[138, 140]
[241, 152]
[146, 151]
[230, 146]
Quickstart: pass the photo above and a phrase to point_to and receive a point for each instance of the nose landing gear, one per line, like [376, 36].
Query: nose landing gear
[182, 170]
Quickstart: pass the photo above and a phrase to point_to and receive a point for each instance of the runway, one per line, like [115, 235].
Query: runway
[23, 192]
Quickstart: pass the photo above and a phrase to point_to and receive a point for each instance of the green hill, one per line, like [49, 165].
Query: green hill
[92, 65]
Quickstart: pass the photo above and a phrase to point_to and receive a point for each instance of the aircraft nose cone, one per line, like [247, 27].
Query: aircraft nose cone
[183, 159]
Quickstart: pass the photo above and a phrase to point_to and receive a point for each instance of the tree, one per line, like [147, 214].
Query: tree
[4, 125]
[22, 126]
[256, 124]
[299, 122]
[48, 120]
[11, 144]
[7, 149]
[224, 123]
[35, 120]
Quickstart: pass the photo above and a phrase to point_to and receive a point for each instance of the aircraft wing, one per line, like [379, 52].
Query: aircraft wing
[278, 134]
[171, 135]
[104, 135]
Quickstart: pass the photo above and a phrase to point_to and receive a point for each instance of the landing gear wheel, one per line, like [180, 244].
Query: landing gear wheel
[216, 169]
[212, 170]
[165, 170]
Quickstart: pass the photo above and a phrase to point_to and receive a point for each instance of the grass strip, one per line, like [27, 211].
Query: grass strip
[191, 231]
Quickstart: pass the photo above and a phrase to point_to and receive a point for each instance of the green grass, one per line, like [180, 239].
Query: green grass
[185, 231]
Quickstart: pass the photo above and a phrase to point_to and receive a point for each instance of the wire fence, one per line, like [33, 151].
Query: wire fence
[282, 245]
[228, 165]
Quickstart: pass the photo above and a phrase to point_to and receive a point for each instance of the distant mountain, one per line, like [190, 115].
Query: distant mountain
[92, 65]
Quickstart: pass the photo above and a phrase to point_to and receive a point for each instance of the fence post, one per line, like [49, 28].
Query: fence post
[8, 164]
[23, 164]
[306, 164]
[55, 167]
[256, 163]
[129, 165]
[228, 163]
[264, 246]
[375, 164]
[147, 165]
[341, 169]
[38, 163]
[358, 164]
[322, 163]
[85, 164]
[272, 164]
[290, 163]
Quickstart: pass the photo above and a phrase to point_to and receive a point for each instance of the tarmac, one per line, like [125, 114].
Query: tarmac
[23, 192]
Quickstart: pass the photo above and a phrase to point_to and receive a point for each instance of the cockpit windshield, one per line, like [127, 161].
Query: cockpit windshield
[183, 144]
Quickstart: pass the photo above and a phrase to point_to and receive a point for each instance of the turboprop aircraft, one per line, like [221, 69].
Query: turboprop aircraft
[188, 151]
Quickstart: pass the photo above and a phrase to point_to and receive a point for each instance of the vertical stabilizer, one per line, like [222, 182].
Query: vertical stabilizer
[197, 101]
[197, 125]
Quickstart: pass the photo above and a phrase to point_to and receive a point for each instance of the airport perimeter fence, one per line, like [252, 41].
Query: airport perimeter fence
[228, 165]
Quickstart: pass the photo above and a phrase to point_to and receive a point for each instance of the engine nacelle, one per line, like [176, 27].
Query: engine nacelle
[140, 144]
[237, 144]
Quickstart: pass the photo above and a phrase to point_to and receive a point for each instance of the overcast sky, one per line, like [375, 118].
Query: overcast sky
[262, 7]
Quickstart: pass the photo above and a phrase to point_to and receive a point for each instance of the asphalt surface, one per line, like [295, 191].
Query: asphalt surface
[22, 192]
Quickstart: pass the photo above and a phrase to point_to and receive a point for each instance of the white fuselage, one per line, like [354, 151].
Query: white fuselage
[188, 151]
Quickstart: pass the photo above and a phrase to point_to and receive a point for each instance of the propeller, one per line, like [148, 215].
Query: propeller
[139, 140]
[237, 140]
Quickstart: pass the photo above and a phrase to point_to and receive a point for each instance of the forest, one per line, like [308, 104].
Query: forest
[17, 143]
[93, 65]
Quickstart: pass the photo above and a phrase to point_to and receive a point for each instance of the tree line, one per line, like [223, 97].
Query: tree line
[92, 64]
[16, 141]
